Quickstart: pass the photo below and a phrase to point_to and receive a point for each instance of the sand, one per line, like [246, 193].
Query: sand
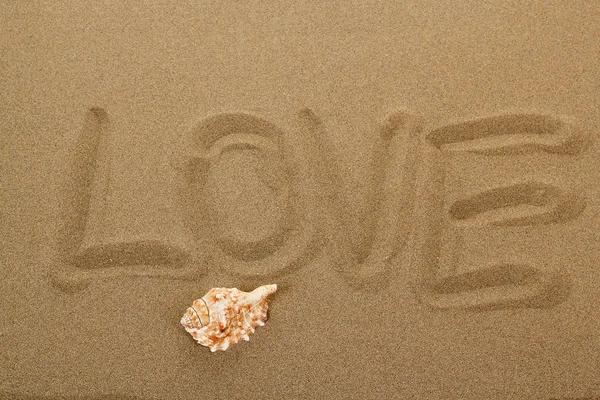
[420, 179]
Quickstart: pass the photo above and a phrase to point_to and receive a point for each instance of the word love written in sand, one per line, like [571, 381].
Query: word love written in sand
[258, 194]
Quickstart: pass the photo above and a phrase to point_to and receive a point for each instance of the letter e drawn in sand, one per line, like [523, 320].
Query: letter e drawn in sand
[490, 214]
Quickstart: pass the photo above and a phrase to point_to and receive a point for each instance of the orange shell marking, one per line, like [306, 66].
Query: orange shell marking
[225, 316]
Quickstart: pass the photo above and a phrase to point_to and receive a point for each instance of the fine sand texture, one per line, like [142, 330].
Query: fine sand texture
[420, 179]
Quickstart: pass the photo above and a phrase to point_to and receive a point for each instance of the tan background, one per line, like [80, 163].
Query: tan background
[158, 67]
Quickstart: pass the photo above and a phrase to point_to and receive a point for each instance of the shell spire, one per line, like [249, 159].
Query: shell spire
[224, 316]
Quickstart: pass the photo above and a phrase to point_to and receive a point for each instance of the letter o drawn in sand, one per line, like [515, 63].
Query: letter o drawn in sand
[248, 194]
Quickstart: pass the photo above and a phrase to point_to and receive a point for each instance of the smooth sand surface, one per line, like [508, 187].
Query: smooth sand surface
[421, 180]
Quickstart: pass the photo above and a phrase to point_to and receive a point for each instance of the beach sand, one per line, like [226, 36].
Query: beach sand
[420, 179]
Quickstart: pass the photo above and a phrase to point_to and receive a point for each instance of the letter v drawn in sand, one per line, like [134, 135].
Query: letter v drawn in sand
[390, 203]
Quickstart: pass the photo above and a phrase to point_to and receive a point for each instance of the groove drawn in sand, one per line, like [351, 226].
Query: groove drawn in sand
[391, 199]
[528, 203]
[512, 134]
[89, 246]
[493, 284]
[252, 192]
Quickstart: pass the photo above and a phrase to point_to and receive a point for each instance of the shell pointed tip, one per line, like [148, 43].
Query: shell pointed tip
[271, 288]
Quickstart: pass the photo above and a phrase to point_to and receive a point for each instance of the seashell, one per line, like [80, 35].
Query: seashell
[226, 315]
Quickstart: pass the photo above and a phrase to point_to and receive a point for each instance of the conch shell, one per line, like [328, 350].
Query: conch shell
[225, 316]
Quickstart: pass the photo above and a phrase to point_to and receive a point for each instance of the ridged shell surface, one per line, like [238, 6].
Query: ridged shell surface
[224, 316]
